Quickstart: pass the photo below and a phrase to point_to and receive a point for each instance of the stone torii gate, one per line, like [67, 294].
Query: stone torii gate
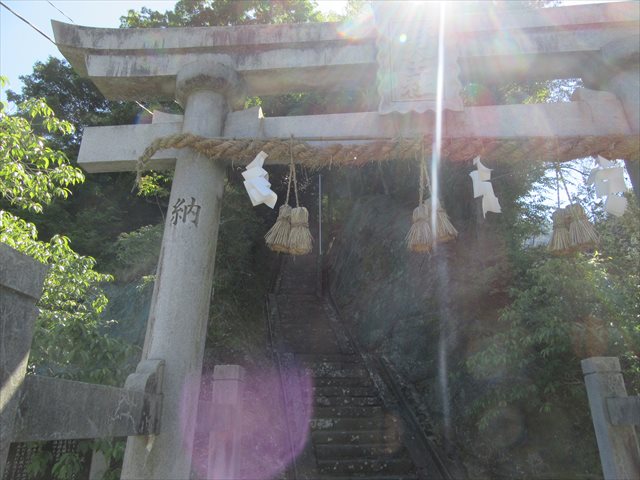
[211, 70]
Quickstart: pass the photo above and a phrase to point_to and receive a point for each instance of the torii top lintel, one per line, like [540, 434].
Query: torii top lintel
[598, 43]
[139, 64]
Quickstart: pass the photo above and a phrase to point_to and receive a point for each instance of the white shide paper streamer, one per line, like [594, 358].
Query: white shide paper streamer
[609, 180]
[482, 188]
[256, 182]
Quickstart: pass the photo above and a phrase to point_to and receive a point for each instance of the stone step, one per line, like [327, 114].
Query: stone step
[321, 437]
[347, 401]
[361, 451]
[353, 424]
[346, 392]
[321, 367]
[368, 476]
[343, 382]
[382, 465]
[337, 358]
[327, 371]
[348, 412]
[299, 299]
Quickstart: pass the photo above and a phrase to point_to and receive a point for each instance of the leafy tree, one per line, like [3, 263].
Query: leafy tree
[211, 13]
[31, 173]
[72, 98]
[103, 206]
[72, 338]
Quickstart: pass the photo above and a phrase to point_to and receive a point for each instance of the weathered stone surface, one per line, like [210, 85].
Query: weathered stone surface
[21, 280]
[416, 57]
[618, 444]
[226, 405]
[591, 114]
[178, 317]
[624, 411]
[325, 57]
[21, 273]
[57, 409]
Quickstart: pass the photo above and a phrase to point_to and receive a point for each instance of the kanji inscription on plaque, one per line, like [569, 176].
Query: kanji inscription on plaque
[408, 62]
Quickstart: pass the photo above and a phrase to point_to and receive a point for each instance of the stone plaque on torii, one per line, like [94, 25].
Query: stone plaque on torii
[211, 70]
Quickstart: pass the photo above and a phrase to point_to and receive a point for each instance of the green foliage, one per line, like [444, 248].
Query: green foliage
[103, 206]
[40, 460]
[72, 98]
[67, 466]
[31, 173]
[155, 184]
[135, 254]
[210, 13]
[243, 272]
[71, 339]
[562, 310]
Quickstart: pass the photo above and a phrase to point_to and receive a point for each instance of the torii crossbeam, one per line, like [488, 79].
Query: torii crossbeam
[211, 70]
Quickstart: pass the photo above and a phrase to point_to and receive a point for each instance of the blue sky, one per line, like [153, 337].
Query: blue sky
[21, 46]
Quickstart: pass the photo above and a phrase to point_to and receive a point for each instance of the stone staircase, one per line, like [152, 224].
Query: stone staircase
[352, 434]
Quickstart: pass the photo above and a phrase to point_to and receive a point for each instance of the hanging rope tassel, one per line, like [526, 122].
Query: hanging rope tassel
[277, 238]
[582, 233]
[300, 239]
[560, 242]
[420, 237]
[445, 231]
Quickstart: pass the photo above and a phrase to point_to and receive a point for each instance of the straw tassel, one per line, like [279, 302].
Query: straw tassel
[560, 242]
[277, 238]
[420, 237]
[572, 230]
[300, 239]
[445, 231]
[582, 233]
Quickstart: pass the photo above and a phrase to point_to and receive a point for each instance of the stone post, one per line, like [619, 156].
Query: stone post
[21, 280]
[618, 445]
[620, 74]
[176, 329]
[226, 406]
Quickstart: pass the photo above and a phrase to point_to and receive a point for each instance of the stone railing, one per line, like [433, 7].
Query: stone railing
[614, 415]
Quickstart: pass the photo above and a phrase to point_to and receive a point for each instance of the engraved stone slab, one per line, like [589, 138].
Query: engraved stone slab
[408, 43]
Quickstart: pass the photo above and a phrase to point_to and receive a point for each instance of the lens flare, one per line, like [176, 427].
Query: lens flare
[358, 27]
[272, 437]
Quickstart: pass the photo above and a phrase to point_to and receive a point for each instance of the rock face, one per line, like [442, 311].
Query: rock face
[396, 302]
[404, 307]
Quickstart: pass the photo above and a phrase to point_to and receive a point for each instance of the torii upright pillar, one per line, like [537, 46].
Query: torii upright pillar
[176, 329]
